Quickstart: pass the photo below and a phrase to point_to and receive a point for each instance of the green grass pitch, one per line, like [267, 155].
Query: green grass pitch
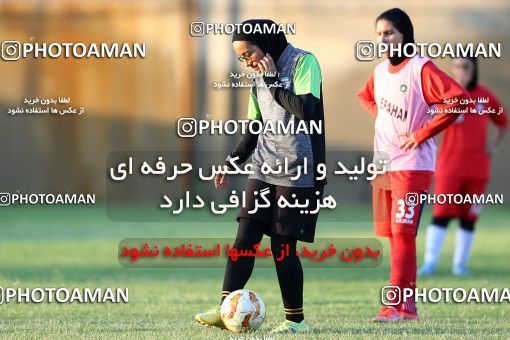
[77, 247]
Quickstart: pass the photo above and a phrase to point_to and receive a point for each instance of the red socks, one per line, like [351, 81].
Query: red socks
[403, 266]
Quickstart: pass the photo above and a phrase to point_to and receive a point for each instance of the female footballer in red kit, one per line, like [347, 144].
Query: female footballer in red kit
[398, 94]
[463, 167]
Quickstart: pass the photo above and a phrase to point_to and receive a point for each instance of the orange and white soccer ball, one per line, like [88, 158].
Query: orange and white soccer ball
[243, 311]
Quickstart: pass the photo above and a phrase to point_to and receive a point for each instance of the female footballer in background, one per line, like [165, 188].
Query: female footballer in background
[463, 167]
[398, 94]
[298, 98]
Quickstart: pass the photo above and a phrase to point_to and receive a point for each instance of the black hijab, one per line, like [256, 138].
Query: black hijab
[401, 21]
[272, 43]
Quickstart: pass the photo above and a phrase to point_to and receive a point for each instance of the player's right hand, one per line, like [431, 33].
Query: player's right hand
[220, 181]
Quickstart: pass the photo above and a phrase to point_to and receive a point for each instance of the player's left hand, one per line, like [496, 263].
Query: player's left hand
[267, 64]
[410, 143]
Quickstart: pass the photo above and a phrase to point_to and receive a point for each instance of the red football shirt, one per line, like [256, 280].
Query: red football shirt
[437, 86]
[463, 149]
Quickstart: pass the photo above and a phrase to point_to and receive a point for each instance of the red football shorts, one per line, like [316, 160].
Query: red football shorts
[469, 212]
[395, 211]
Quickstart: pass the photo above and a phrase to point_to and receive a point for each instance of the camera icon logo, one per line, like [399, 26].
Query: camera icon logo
[391, 295]
[5, 199]
[365, 50]
[197, 29]
[187, 127]
[11, 50]
[411, 199]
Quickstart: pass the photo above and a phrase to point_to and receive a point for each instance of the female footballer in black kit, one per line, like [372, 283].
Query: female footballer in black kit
[287, 86]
